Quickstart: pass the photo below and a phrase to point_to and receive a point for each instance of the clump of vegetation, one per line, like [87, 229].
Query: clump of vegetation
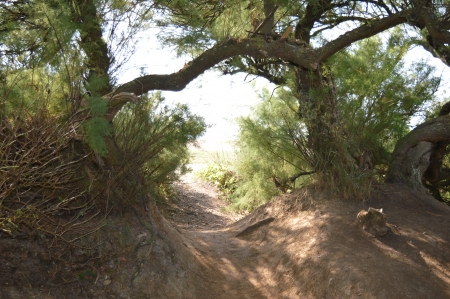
[377, 96]
[38, 180]
[222, 176]
[272, 154]
[154, 138]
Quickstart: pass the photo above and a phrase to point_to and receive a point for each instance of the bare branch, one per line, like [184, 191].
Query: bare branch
[362, 32]
[257, 48]
[266, 20]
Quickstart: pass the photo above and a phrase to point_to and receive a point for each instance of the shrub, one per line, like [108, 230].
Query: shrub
[153, 138]
[39, 172]
[222, 176]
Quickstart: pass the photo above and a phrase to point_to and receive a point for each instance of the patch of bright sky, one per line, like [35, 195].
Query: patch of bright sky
[219, 99]
[418, 54]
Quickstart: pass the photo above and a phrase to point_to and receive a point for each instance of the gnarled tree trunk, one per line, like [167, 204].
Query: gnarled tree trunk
[318, 109]
[418, 156]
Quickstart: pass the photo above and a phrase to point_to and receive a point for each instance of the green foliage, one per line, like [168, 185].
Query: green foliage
[379, 95]
[154, 138]
[34, 31]
[271, 149]
[199, 23]
[53, 33]
[97, 127]
[222, 176]
[25, 92]
[253, 192]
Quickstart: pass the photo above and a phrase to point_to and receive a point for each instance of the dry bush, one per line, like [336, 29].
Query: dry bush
[39, 175]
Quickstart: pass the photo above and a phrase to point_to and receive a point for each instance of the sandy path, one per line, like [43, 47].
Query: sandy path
[227, 262]
[196, 205]
[312, 247]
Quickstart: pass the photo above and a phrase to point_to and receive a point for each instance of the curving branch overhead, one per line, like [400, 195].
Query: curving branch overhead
[292, 50]
[413, 153]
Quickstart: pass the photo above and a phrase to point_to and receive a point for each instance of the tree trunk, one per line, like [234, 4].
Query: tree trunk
[418, 155]
[318, 110]
[85, 14]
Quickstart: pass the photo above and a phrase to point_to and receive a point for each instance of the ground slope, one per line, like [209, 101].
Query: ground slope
[308, 245]
[302, 245]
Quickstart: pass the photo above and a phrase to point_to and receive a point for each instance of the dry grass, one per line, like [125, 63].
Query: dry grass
[39, 176]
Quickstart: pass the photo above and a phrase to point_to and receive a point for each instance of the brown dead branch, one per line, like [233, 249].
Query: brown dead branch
[248, 230]
[39, 172]
[266, 20]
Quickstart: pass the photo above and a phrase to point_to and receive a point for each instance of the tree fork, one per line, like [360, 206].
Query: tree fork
[269, 17]
[288, 50]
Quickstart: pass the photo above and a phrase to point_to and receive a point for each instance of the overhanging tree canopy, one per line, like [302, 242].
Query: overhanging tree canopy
[237, 36]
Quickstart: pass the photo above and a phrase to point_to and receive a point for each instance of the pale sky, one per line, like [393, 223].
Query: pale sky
[219, 99]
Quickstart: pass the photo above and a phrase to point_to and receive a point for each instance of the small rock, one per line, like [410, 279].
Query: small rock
[373, 221]
[141, 235]
[107, 282]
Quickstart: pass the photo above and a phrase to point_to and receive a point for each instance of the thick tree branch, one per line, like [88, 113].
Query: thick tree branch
[269, 17]
[257, 48]
[362, 32]
[438, 37]
[412, 154]
[116, 102]
[445, 109]
[435, 130]
[437, 29]
[313, 12]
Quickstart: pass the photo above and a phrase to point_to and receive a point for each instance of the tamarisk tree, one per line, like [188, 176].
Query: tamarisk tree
[275, 40]
[223, 35]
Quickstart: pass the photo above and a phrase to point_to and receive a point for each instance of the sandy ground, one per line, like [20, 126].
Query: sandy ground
[303, 245]
[196, 205]
[308, 245]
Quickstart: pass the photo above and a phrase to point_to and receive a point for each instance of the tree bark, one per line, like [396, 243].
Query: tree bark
[317, 99]
[317, 109]
[269, 6]
[411, 157]
[84, 13]
[292, 50]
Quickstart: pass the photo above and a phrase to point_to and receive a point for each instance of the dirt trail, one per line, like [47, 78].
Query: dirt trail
[301, 245]
[196, 206]
[307, 245]
[228, 264]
